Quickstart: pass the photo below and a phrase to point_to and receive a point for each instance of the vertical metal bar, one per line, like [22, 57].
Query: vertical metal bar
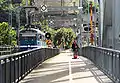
[30, 61]
[119, 68]
[21, 66]
[112, 65]
[95, 16]
[101, 22]
[1, 77]
[27, 63]
[88, 26]
[10, 69]
[45, 53]
[104, 52]
[18, 68]
[115, 69]
[5, 70]
[24, 64]
[109, 63]
[105, 60]
[14, 69]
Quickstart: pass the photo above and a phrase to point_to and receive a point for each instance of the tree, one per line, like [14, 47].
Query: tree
[64, 36]
[7, 35]
[85, 6]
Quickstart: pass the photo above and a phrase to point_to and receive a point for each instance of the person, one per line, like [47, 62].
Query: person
[75, 48]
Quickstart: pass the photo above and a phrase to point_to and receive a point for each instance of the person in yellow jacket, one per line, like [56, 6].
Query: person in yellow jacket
[49, 43]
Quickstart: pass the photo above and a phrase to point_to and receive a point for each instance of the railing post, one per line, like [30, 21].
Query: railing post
[10, 70]
[5, 70]
[1, 79]
[14, 69]
[119, 68]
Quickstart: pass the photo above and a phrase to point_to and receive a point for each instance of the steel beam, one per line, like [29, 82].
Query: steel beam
[65, 8]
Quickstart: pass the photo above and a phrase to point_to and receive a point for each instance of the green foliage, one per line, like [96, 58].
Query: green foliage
[3, 4]
[86, 4]
[7, 35]
[64, 36]
[22, 27]
[24, 2]
[46, 28]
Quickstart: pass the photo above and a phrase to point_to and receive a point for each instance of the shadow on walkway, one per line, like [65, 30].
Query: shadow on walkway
[58, 69]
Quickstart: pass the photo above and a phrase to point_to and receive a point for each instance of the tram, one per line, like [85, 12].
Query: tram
[31, 38]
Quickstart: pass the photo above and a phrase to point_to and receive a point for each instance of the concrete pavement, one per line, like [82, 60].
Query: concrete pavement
[63, 69]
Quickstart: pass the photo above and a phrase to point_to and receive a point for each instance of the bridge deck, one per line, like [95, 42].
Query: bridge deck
[63, 69]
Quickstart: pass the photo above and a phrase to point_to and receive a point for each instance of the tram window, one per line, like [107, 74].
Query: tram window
[28, 38]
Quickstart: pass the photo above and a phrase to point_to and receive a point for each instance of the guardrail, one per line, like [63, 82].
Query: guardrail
[6, 50]
[108, 60]
[15, 67]
[2, 48]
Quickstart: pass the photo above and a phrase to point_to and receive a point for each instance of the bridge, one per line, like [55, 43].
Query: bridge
[98, 58]
[47, 65]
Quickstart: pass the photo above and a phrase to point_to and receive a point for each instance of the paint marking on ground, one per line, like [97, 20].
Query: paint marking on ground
[70, 72]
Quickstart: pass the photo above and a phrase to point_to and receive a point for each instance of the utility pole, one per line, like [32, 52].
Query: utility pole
[27, 12]
[100, 22]
[17, 10]
[80, 27]
[88, 25]
[18, 22]
[91, 25]
[9, 21]
[95, 21]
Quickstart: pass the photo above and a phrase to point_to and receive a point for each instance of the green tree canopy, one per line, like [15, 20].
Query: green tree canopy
[86, 4]
[60, 36]
[64, 36]
[7, 35]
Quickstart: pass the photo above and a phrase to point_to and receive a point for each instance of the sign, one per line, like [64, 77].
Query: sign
[49, 43]
[51, 21]
[48, 35]
[44, 8]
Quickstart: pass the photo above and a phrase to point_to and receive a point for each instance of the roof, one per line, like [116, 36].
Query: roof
[37, 30]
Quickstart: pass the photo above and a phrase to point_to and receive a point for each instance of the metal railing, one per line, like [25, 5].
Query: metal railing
[15, 67]
[5, 50]
[107, 60]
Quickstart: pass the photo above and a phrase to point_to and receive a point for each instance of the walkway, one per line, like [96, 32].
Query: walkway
[63, 69]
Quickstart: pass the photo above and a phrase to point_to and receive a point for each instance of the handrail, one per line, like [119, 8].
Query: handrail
[14, 67]
[16, 54]
[108, 60]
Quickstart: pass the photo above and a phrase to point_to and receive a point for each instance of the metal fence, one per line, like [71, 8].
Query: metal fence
[107, 60]
[5, 50]
[15, 67]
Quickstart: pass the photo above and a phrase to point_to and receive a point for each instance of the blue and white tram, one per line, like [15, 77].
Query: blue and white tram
[31, 38]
